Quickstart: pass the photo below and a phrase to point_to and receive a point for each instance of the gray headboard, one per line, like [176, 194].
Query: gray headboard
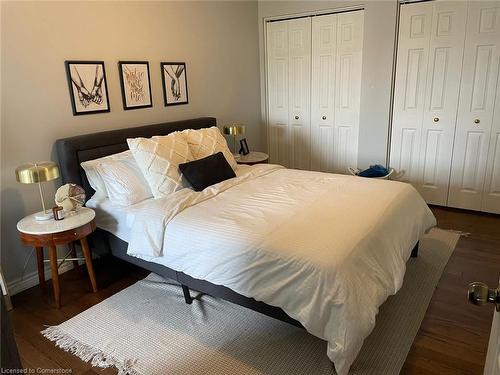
[75, 150]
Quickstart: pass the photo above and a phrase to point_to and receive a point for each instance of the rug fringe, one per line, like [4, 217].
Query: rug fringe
[87, 353]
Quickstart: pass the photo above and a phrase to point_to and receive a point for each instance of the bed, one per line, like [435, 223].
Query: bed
[249, 240]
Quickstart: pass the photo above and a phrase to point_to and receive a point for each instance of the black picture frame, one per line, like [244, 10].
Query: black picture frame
[244, 150]
[83, 100]
[126, 104]
[168, 96]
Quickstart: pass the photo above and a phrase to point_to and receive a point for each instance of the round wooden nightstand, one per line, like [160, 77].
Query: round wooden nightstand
[253, 157]
[50, 233]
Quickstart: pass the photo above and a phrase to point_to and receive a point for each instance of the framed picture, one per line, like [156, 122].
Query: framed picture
[87, 87]
[173, 76]
[244, 147]
[135, 83]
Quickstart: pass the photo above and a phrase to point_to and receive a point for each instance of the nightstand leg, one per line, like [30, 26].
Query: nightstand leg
[55, 275]
[72, 249]
[88, 261]
[41, 266]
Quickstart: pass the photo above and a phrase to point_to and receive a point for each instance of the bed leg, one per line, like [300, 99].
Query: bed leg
[414, 252]
[187, 296]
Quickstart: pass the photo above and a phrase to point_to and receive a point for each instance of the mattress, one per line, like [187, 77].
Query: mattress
[114, 219]
[327, 249]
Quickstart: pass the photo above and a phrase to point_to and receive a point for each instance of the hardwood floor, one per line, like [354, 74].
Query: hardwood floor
[453, 337]
[34, 309]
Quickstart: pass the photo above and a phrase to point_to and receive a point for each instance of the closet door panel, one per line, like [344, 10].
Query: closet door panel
[299, 83]
[324, 51]
[491, 200]
[491, 195]
[441, 100]
[476, 107]
[410, 85]
[314, 80]
[347, 89]
[277, 76]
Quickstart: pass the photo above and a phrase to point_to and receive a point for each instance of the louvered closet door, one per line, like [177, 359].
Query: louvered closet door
[337, 43]
[476, 110]
[299, 95]
[426, 97]
[277, 83]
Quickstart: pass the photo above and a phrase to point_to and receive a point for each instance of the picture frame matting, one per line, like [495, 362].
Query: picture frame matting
[174, 83]
[135, 82]
[88, 86]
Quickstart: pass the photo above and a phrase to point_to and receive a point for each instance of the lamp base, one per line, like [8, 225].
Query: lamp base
[43, 216]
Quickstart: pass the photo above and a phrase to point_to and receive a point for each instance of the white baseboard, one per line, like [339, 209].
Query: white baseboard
[31, 279]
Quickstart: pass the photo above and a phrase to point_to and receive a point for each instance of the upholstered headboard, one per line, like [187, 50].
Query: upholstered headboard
[75, 150]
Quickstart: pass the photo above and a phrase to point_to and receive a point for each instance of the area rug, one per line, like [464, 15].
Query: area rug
[148, 329]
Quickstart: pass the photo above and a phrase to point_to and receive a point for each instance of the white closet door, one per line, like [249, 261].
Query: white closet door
[409, 99]
[348, 89]
[441, 100]
[491, 195]
[324, 58]
[299, 83]
[476, 106]
[277, 85]
[431, 45]
[336, 88]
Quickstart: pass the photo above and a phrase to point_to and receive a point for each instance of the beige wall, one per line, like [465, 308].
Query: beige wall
[378, 52]
[218, 41]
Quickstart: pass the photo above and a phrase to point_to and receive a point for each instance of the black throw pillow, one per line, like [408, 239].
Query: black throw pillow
[204, 172]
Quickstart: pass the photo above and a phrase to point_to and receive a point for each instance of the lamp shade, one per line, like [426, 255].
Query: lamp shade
[37, 172]
[234, 129]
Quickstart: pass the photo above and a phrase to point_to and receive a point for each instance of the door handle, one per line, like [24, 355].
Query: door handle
[296, 117]
[477, 121]
[324, 117]
[479, 294]
[435, 119]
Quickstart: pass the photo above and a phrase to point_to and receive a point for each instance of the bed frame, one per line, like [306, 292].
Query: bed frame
[75, 150]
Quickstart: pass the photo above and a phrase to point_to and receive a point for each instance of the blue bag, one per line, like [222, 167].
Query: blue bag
[374, 171]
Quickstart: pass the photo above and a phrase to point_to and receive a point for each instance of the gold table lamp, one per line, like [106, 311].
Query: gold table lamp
[234, 130]
[38, 172]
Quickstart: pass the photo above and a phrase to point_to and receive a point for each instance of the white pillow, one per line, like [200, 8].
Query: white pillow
[124, 182]
[206, 142]
[95, 180]
[159, 158]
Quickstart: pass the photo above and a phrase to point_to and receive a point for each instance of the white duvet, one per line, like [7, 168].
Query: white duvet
[327, 249]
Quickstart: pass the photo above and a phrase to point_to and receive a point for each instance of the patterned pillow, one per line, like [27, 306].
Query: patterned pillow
[159, 158]
[206, 142]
